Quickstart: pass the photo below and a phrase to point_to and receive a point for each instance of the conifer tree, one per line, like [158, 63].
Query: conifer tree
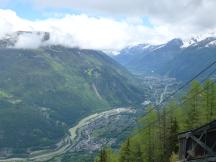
[193, 106]
[125, 153]
[209, 105]
[156, 140]
[138, 154]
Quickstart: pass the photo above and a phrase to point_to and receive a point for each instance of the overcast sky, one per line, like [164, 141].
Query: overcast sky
[110, 24]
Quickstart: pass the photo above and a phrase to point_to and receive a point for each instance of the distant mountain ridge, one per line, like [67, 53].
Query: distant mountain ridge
[177, 58]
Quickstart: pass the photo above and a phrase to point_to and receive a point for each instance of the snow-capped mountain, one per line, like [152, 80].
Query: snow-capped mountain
[197, 42]
[176, 58]
[189, 42]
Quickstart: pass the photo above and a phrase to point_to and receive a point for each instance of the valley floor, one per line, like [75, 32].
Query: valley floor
[90, 134]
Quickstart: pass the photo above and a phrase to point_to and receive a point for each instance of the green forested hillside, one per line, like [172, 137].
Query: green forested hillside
[156, 138]
[43, 92]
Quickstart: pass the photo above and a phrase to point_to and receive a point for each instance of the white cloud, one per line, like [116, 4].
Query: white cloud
[183, 19]
[187, 17]
[193, 12]
[11, 22]
[28, 40]
[83, 31]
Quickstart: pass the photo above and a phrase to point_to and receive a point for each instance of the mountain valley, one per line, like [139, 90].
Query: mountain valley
[176, 59]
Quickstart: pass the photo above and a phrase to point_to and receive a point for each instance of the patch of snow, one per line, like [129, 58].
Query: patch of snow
[189, 42]
[211, 44]
[115, 52]
[146, 46]
[158, 47]
[193, 41]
